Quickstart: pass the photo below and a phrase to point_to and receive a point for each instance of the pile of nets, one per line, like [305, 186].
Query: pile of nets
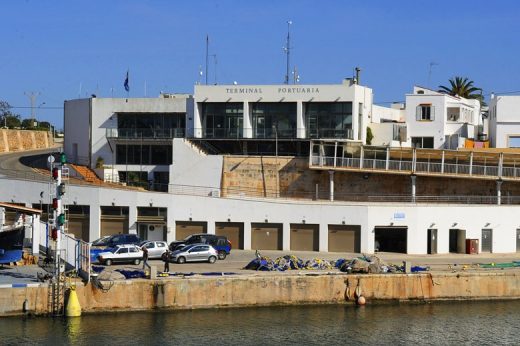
[372, 265]
[288, 262]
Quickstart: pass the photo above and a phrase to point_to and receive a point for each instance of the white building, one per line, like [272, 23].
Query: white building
[440, 121]
[504, 121]
[127, 139]
[282, 111]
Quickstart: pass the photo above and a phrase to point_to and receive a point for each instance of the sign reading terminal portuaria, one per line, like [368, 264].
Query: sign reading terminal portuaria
[281, 90]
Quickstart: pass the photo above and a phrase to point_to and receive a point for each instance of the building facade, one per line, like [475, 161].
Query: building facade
[440, 121]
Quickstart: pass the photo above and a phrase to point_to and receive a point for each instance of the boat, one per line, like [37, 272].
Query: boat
[11, 244]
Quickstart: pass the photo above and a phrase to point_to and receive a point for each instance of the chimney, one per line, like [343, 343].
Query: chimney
[358, 72]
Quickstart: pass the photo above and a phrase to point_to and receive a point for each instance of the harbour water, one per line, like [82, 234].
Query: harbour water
[490, 322]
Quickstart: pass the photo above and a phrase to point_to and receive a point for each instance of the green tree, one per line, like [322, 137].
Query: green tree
[462, 87]
[7, 118]
[370, 136]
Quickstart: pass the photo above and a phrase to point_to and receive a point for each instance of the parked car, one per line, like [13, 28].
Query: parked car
[155, 248]
[129, 253]
[100, 245]
[219, 242]
[194, 253]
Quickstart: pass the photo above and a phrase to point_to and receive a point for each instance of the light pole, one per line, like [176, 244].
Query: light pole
[275, 129]
[34, 120]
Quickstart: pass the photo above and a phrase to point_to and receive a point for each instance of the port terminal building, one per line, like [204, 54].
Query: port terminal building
[284, 167]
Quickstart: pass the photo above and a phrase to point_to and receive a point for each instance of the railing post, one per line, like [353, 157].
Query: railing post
[335, 152]
[442, 162]
[414, 159]
[499, 192]
[387, 163]
[361, 156]
[500, 164]
[471, 163]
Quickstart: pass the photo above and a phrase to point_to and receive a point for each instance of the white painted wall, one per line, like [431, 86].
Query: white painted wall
[76, 124]
[418, 218]
[504, 119]
[191, 168]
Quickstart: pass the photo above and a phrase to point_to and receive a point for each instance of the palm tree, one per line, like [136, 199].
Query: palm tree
[462, 87]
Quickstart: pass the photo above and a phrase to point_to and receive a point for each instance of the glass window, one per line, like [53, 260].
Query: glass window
[161, 245]
[222, 120]
[150, 245]
[328, 119]
[271, 120]
[151, 125]
[133, 249]
[425, 112]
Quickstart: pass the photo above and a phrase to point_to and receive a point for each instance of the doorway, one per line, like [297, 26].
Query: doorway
[487, 240]
[518, 240]
[432, 241]
[391, 239]
[457, 241]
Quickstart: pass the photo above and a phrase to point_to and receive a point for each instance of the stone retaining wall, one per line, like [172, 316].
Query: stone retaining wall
[19, 140]
[262, 290]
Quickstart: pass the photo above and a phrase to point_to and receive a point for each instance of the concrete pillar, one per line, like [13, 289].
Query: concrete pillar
[331, 186]
[247, 235]
[286, 236]
[414, 178]
[499, 192]
[247, 127]
[36, 230]
[355, 121]
[132, 219]
[300, 121]
[211, 227]
[95, 223]
[170, 225]
[323, 237]
[197, 121]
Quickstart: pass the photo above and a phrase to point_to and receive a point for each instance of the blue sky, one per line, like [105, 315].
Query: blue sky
[70, 49]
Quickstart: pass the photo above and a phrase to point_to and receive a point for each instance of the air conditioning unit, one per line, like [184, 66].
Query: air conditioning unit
[152, 228]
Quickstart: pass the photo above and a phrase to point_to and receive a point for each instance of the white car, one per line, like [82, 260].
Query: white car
[121, 253]
[155, 248]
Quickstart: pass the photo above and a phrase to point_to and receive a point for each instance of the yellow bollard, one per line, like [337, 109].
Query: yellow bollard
[73, 307]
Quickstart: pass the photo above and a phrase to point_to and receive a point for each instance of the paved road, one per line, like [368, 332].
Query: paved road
[20, 164]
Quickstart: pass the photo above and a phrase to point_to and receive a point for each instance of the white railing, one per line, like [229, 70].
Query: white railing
[491, 166]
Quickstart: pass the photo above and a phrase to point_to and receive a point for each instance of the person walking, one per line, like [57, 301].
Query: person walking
[145, 258]
[166, 256]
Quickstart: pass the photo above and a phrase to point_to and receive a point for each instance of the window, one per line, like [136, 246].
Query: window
[453, 113]
[329, 119]
[133, 249]
[161, 245]
[425, 112]
[422, 142]
[150, 245]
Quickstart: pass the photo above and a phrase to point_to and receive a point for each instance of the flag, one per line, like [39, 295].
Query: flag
[127, 87]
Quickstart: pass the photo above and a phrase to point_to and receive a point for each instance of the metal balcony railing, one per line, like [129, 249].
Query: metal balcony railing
[424, 161]
[145, 133]
[330, 133]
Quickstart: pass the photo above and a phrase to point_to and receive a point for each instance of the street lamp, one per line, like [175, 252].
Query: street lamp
[35, 123]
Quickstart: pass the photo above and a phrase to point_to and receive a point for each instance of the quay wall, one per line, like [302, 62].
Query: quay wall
[264, 290]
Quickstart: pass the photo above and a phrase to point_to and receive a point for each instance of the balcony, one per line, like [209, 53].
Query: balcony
[145, 133]
[331, 133]
[334, 155]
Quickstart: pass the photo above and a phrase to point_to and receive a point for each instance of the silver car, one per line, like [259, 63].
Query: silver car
[195, 253]
[155, 247]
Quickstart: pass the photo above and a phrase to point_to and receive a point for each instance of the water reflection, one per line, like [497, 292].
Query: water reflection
[439, 323]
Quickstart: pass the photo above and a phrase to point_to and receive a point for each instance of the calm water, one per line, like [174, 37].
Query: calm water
[482, 323]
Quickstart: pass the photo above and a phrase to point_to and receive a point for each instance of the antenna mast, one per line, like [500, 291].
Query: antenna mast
[287, 50]
[207, 56]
